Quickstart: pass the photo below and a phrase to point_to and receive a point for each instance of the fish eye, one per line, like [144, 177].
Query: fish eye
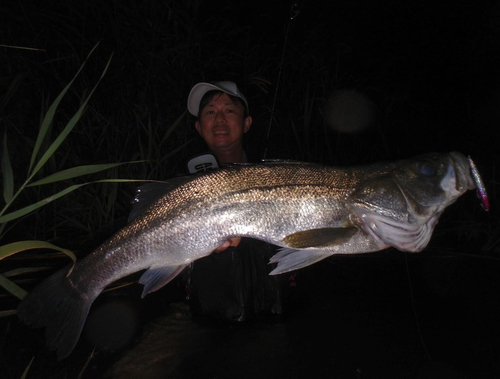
[426, 168]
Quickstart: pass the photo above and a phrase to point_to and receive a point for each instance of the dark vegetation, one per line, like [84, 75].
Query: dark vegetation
[430, 74]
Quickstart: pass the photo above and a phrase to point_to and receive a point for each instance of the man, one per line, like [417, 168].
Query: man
[223, 119]
[233, 285]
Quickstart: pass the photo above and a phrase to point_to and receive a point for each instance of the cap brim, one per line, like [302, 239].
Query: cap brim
[200, 89]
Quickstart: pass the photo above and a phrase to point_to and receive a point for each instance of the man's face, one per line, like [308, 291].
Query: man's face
[222, 123]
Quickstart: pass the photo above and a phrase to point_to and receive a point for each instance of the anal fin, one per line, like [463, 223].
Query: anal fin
[291, 259]
[156, 277]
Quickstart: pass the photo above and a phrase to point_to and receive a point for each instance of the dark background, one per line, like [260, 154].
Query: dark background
[431, 70]
[428, 70]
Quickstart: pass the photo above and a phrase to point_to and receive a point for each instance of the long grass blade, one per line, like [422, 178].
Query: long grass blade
[86, 365]
[24, 270]
[112, 196]
[49, 116]
[173, 127]
[30, 208]
[69, 126]
[7, 175]
[22, 47]
[75, 172]
[12, 287]
[16, 83]
[176, 150]
[20, 246]
[10, 312]
[25, 373]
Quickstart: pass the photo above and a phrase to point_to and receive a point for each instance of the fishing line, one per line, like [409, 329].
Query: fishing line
[294, 12]
[415, 309]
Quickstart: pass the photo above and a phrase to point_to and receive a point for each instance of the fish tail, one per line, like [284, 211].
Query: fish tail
[58, 306]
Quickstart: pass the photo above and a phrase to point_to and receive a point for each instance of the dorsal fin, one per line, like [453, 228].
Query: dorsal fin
[147, 194]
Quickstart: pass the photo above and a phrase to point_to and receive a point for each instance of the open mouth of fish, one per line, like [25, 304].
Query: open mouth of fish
[412, 232]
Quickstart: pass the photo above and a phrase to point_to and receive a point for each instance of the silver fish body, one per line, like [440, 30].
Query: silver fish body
[311, 211]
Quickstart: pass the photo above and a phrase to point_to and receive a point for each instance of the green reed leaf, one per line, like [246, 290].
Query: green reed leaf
[27, 369]
[70, 125]
[175, 151]
[12, 287]
[7, 175]
[30, 208]
[75, 172]
[20, 246]
[49, 117]
[10, 312]
[24, 270]
[173, 127]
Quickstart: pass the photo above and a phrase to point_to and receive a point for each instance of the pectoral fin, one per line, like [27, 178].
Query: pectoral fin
[324, 237]
[291, 259]
[156, 277]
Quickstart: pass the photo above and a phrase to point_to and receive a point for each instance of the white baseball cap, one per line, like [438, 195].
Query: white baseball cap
[200, 89]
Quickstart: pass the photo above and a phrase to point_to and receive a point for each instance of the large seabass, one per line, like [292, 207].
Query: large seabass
[311, 211]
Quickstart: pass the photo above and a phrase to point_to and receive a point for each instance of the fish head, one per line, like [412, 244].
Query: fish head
[399, 204]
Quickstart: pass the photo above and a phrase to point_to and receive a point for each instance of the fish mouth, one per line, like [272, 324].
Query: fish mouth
[458, 178]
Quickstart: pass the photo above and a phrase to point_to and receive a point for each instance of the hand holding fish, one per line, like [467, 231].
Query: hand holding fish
[232, 242]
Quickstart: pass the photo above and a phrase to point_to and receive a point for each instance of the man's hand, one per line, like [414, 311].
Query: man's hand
[230, 242]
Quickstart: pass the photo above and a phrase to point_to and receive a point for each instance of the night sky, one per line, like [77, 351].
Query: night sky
[429, 69]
